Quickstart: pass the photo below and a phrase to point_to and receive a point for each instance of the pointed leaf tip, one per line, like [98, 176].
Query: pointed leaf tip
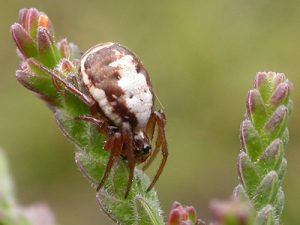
[277, 123]
[247, 173]
[31, 22]
[250, 140]
[280, 95]
[47, 48]
[265, 216]
[272, 157]
[267, 190]
[24, 42]
[256, 110]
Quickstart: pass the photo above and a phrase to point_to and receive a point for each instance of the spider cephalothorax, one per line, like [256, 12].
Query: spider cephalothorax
[117, 88]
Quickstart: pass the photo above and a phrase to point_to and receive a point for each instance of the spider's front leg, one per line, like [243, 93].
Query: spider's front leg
[101, 124]
[128, 152]
[114, 145]
[158, 119]
[57, 79]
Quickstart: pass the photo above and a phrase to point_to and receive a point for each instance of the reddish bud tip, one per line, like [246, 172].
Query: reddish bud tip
[180, 215]
[174, 217]
[278, 78]
[46, 48]
[192, 213]
[234, 211]
[261, 78]
[23, 41]
[281, 94]
[31, 22]
[276, 125]
[64, 48]
[22, 16]
[66, 66]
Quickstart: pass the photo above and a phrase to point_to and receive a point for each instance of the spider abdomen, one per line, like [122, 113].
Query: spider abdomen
[119, 83]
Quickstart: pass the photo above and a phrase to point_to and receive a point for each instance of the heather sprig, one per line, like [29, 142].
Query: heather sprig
[264, 136]
[42, 61]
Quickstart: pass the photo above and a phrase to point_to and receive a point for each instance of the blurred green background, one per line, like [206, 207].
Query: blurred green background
[202, 57]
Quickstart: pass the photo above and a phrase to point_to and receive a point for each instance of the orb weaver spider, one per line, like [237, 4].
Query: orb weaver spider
[116, 87]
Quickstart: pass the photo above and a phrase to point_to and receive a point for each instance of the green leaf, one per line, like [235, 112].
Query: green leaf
[266, 216]
[140, 207]
[250, 140]
[146, 212]
[266, 192]
[276, 125]
[279, 203]
[256, 109]
[24, 42]
[247, 174]
[47, 50]
[272, 157]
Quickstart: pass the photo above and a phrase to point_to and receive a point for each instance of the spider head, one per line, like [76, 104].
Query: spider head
[142, 146]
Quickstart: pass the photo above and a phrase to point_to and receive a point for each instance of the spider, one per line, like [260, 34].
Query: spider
[116, 87]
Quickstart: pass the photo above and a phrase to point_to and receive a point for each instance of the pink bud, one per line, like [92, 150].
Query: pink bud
[64, 48]
[180, 215]
[275, 125]
[66, 66]
[280, 94]
[174, 217]
[30, 22]
[46, 48]
[23, 41]
[261, 78]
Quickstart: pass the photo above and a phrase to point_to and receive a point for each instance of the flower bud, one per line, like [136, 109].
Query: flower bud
[266, 216]
[24, 42]
[256, 110]
[280, 95]
[180, 215]
[66, 66]
[261, 79]
[278, 78]
[277, 123]
[267, 190]
[64, 48]
[267, 82]
[247, 173]
[231, 212]
[250, 140]
[26, 32]
[31, 19]
[47, 50]
[272, 156]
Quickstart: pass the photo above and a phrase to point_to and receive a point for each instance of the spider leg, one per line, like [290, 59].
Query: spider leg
[154, 153]
[161, 138]
[69, 86]
[114, 145]
[150, 128]
[128, 141]
[100, 123]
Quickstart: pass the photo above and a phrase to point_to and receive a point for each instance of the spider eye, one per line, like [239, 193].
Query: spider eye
[147, 149]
